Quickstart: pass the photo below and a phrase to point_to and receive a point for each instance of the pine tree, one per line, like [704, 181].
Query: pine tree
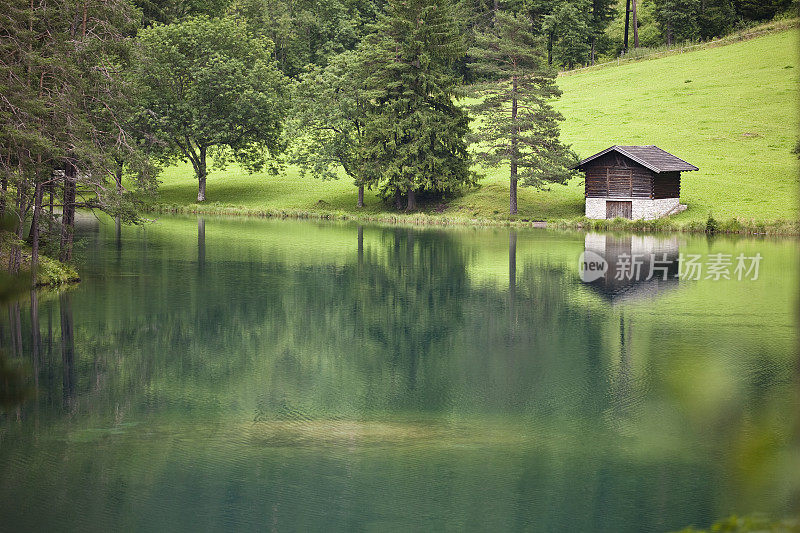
[415, 132]
[677, 19]
[715, 18]
[569, 32]
[603, 12]
[519, 124]
[63, 109]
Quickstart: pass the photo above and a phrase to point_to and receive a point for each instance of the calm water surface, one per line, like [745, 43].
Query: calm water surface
[241, 374]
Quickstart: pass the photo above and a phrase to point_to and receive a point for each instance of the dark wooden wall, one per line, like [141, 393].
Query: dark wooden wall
[667, 185]
[613, 176]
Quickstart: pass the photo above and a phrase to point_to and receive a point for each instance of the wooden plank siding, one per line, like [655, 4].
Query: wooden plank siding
[642, 183]
[667, 185]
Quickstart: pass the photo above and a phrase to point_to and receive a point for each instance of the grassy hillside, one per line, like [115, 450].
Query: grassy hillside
[730, 110]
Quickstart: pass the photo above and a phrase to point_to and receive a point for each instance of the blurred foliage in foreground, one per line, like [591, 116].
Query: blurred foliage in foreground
[747, 524]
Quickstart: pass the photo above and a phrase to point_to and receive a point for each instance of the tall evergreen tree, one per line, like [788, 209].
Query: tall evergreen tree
[415, 134]
[568, 29]
[63, 109]
[715, 18]
[677, 19]
[519, 125]
[603, 12]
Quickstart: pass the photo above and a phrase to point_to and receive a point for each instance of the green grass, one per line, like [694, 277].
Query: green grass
[730, 110]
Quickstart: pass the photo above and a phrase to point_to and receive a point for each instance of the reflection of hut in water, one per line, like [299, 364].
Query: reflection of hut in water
[639, 267]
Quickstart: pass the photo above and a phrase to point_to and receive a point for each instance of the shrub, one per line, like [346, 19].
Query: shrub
[711, 224]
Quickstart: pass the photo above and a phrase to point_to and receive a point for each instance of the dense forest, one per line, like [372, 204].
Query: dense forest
[97, 96]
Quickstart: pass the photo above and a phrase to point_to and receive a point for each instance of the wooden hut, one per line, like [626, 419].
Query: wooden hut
[633, 182]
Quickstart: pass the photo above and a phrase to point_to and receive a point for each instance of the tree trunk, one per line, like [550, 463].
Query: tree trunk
[398, 200]
[635, 27]
[202, 173]
[68, 212]
[514, 141]
[361, 195]
[592, 51]
[627, 24]
[37, 208]
[118, 177]
[702, 16]
[550, 37]
[15, 254]
[3, 190]
[412, 200]
[201, 189]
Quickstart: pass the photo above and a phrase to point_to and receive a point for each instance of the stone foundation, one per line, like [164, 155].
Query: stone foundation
[640, 207]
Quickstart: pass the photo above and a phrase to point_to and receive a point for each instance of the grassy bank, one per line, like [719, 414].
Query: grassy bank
[730, 110]
[51, 272]
[644, 54]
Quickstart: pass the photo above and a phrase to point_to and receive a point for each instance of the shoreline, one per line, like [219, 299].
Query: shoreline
[783, 228]
[51, 274]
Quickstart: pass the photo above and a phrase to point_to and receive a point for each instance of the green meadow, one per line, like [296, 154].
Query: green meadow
[730, 110]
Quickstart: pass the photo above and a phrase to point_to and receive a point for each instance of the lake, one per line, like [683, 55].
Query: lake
[242, 374]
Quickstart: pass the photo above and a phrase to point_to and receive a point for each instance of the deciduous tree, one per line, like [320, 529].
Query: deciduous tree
[331, 114]
[207, 87]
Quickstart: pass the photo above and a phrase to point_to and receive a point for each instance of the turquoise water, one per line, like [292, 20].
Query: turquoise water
[240, 374]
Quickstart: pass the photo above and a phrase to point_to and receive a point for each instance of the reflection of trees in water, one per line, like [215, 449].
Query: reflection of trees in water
[379, 320]
[67, 349]
[400, 329]
[536, 352]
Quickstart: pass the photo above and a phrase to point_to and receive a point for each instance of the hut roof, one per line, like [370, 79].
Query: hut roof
[651, 157]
